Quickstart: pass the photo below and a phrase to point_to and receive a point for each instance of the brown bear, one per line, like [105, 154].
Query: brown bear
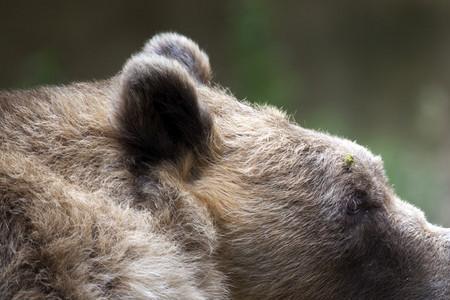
[159, 184]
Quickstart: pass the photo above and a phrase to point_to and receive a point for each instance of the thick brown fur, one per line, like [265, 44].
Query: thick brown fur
[156, 184]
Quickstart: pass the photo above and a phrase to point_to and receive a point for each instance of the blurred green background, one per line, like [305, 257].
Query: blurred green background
[377, 72]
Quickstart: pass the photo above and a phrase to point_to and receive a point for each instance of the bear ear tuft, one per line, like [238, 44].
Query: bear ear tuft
[185, 51]
[158, 115]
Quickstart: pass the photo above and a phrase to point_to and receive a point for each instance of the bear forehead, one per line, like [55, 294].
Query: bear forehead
[341, 160]
[262, 144]
[264, 133]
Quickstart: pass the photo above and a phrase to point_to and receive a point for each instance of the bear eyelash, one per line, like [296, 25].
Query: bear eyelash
[358, 203]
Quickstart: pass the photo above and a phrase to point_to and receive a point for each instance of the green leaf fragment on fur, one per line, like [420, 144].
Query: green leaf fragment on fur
[349, 160]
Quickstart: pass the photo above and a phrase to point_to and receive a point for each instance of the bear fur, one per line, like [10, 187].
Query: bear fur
[158, 184]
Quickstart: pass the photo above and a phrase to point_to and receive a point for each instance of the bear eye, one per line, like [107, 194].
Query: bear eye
[357, 203]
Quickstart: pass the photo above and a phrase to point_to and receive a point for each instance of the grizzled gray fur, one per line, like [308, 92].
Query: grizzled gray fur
[158, 184]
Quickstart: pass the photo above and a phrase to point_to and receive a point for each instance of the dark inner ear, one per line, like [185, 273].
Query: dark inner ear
[158, 114]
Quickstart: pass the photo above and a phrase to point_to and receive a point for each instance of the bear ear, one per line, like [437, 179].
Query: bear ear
[157, 114]
[185, 51]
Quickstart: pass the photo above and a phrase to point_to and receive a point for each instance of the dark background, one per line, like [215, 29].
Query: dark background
[377, 72]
